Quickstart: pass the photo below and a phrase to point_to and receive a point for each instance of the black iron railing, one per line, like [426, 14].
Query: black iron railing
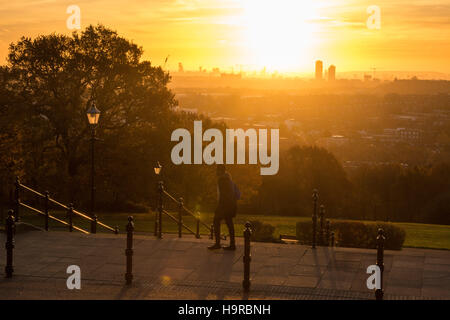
[71, 212]
[179, 220]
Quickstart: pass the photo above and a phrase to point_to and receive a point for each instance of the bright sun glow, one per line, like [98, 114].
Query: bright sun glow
[280, 33]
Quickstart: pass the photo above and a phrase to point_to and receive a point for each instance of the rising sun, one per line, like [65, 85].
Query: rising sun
[279, 33]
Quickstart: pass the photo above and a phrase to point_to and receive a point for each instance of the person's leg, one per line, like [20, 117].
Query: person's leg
[217, 221]
[230, 225]
[216, 226]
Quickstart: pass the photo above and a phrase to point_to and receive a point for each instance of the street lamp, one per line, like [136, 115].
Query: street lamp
[93, 114]
[157, 168]
[158, 214]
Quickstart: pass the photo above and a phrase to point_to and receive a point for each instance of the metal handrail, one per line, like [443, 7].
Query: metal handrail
[58, 203]
[192, 214]
[176, 220]
[106, 226]
[18, 184]
[52, 217]
[31, 190]
[186, 209]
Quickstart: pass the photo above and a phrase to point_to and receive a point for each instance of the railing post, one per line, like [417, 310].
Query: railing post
[10, 226]
[197, 234]
[17, 199]
[180, 216]
[129, 251]
[327, 233]
[314, 217]
[247, 257]
[70, 216]
[94, 224]
[211, 234]
[160, 208]
[380, 262]
[322, 213]
[46, 205]
[332, 239]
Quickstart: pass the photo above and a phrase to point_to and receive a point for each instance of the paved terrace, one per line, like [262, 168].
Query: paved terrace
[174, 268]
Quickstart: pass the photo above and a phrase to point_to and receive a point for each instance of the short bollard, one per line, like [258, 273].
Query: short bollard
[380, 262]
[332, 239]
[211, 234]
[314, 217]
[327, 233]
[247, 257]
[180, 216]
[46, 210]
[10, 225]
[94, 224]
[129, 251]
[197, 233]
[70, 216]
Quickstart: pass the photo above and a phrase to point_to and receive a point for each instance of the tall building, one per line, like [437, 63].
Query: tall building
[319, 69]
[331, 73]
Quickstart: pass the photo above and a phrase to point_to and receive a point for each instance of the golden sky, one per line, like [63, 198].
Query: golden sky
[283, 35]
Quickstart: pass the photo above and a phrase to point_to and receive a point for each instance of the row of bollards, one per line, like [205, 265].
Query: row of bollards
[247, 257]
[326, 238]
[10, 231]
[129, 254]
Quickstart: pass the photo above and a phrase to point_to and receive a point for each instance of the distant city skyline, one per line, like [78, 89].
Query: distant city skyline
[318, 71]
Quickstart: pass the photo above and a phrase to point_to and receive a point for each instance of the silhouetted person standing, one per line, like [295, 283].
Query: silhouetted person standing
[226, 208]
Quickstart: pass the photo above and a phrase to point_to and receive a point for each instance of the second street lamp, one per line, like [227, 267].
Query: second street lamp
[93, 114]
[158, 215]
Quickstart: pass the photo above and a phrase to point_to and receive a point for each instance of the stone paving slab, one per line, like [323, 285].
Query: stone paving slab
[173, 268]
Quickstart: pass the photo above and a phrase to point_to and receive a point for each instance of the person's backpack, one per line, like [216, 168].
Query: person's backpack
[237, 193]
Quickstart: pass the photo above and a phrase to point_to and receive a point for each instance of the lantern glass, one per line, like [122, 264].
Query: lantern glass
[157, 168]
[93, 114]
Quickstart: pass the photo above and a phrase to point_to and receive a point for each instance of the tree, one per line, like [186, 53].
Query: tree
[56, 77]
[303, 169]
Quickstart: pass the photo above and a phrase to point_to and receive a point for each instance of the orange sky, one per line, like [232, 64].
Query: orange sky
[283, 35]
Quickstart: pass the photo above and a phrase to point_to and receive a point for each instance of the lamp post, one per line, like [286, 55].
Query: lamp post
[158, 214]
[93, 114]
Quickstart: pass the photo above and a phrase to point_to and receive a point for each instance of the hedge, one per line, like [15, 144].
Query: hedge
[262, 232]
[356, 234]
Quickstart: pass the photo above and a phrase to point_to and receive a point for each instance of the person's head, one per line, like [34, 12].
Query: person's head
[220, 171]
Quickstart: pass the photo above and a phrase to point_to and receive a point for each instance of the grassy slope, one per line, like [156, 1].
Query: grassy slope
[417, 235]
